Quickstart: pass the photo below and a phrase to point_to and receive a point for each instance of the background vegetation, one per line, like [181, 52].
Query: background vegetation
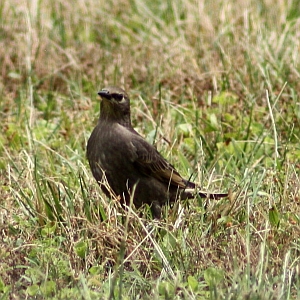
[214, 84]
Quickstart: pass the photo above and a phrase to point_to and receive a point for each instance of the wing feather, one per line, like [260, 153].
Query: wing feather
[150, 162]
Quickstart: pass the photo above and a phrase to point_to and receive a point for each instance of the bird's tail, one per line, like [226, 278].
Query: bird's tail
[209, 195]
[191, 189]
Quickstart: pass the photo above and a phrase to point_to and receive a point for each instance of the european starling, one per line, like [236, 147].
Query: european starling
[126, 165]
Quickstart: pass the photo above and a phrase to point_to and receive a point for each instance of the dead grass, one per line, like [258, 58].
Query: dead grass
[197, 74]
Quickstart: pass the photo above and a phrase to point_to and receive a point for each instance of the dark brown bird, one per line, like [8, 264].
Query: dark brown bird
[126, 165]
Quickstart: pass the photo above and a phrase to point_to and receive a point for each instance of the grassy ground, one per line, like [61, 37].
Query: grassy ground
[214, 84]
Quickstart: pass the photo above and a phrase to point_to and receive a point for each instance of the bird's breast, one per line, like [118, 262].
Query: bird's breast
[114, 148]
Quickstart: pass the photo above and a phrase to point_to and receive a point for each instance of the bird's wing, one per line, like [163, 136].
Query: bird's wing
[150, 162]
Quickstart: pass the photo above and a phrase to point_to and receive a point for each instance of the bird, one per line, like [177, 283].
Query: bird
[126, 166]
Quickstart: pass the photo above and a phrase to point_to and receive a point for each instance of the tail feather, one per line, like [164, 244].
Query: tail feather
[191, 192]
[191, 189]
[215, 196]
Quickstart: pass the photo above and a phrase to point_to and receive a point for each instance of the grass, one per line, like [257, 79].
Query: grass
[214, 85]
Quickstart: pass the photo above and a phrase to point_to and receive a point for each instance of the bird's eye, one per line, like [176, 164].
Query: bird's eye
[118, 97]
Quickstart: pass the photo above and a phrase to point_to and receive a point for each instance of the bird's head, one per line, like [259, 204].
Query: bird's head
[115, 105]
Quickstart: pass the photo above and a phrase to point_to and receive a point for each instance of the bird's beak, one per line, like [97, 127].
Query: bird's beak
[104, 94]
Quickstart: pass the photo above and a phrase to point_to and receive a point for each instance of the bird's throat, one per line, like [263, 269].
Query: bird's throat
[110, 115]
